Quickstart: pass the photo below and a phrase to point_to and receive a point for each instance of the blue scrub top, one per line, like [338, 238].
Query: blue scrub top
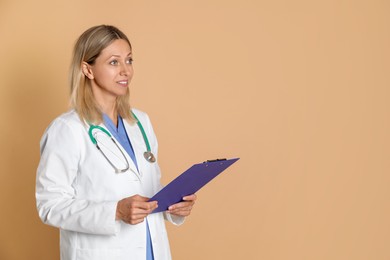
[121, 136]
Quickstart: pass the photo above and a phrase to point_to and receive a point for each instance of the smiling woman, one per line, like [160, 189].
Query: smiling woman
[96, 47]
[99, 198]
[110, 75]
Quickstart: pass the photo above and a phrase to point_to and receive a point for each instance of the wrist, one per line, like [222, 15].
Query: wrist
[118, 214]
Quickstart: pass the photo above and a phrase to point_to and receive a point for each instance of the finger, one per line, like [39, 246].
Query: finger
[181, 212]
[182, 204]
[137, 215]
[191, 197]
[140, 198]
[134, 220]
[173, 210]
[146, 206]
[141, 208]
[180, 207]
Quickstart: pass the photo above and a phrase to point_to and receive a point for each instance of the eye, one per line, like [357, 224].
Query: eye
[129, 61]
[114, 62]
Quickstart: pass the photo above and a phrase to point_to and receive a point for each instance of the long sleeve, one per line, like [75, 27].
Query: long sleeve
[56, 196]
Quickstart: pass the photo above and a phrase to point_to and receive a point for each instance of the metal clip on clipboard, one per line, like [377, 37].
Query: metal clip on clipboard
[215, 160]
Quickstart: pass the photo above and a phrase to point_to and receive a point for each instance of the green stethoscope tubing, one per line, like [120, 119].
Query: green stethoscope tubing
[93, 139]
[92, 127]
[148, 154]
[143, 133]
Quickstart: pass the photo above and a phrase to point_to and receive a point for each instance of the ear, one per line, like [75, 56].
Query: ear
[87, 70]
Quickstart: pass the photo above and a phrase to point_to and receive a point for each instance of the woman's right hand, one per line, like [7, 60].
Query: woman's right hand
[134, 209]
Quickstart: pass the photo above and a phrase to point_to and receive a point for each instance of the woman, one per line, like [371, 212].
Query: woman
[99, 197]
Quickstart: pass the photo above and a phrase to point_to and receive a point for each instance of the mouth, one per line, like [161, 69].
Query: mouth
[123, 83]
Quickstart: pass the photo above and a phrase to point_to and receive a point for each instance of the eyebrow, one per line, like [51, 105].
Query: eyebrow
[116, 55]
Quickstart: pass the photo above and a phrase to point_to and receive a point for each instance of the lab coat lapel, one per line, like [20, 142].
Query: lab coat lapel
[137, 141]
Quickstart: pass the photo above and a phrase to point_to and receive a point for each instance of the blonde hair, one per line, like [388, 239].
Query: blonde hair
[87, 48]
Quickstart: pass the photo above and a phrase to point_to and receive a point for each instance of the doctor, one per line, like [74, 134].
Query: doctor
[99, 163]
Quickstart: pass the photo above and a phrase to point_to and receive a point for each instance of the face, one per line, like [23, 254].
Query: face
[111, 73]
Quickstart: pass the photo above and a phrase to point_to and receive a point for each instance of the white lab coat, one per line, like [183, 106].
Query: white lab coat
[77, 190]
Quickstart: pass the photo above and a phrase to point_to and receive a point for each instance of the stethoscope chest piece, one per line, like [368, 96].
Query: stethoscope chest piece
[149, 156]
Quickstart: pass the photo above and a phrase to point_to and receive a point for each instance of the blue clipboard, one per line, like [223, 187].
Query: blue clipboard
[190, 182]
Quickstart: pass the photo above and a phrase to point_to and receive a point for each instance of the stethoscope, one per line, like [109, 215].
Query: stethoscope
[148, 155]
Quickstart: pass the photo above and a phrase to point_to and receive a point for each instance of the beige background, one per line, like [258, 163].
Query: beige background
[298, 89]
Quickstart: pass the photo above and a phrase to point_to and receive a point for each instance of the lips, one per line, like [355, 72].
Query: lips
[123, 82]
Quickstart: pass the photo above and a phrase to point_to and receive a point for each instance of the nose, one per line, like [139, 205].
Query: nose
[126, 69]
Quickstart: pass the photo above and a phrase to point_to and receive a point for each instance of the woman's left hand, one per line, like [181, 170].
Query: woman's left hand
[183, 209]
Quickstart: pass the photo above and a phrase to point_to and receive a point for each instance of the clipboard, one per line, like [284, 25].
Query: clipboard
[189, 182]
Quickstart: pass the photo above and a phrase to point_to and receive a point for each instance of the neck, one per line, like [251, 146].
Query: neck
[109, 108]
